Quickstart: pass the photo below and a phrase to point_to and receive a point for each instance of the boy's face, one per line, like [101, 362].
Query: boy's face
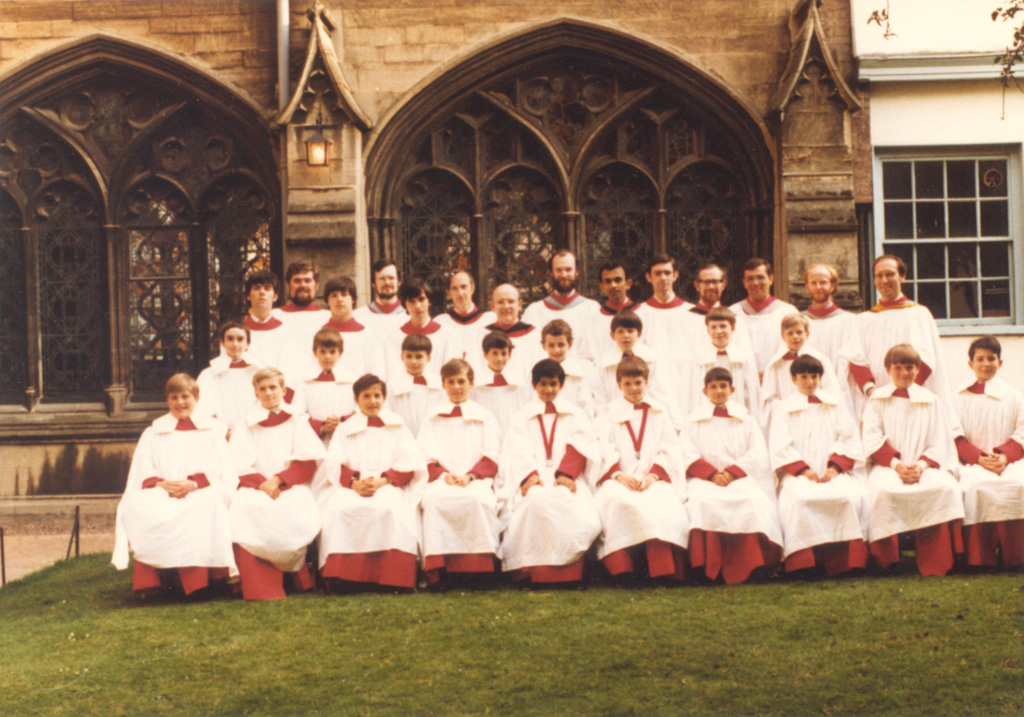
[327, 356]
[547, 388]
[371, 400]
[625, 338]
[720, 333]
[415, 362]
[807, 383]
[795, 337]
[497, 358]
[718, 392]
[270, 393]
[340, 304]
[234, 343]
[633, 388]
[903, 374]
[557, 347]
[985, 364]
[262, 297]
[181, 404]
[418, 306]
[457, 387]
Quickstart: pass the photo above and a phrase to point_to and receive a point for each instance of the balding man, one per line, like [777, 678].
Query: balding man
[506, 305]
[465, 322]
[564, 302]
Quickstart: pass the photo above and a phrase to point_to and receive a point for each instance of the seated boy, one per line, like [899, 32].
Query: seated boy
[273, 515]
[639, 485]
[550, 514]
[815, 447]
[414, 294]
[722, 352]
[556, 340]
[226, 385]
[500, 391]
[370, 534]
[325, 385]
[991, 472]
[415, 390]
[364, 349]
[777, 382]
[730, 487]
[460, 440]
[910, 487]
[174, 514]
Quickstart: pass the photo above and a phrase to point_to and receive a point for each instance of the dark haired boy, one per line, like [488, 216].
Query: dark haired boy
[325, 387]
[268, 333]
[415, 297]
[500, 389]
[415, 389]
[364, 348]
[226, 384]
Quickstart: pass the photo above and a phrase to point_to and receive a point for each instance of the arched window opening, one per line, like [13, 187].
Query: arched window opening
[13, 332]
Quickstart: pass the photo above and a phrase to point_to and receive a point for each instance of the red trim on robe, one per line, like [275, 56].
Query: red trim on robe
[700, 468]
[934, 547]
[393, 568]
[297, 472]
[736, 471]
[255, 324]
[795, 467]
[316, 425]
[251, 480]
[660, 472]
[929, 461]
[923, 374]
[434, 471]
[609, 473]
[843, 463]
[822, 313]
[347, 476]
[967, 452]
[185, 424]
[884, 455]
[275, 419]
[758, 306]
[1012, 450]
[571, 573]
[292, 308]
[151, 482]
[529, 475]
[398, 478]
[201, 480]
[734, 555]
[655, 304]
[862, 375]
[431, 328]
[460, 563]
[484, 468]
[289, 394]
[260, 580]
[985, 541]
[572, 464]
[836, 557]
[344, 327]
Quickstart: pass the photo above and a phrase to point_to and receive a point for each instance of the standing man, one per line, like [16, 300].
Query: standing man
[615, 287]
[564, 302]
[385, 305]
[526, 340]
[302, 316]
[465, 322]
[762, 310]
[710, 285]
[830, 325]
[665, 315]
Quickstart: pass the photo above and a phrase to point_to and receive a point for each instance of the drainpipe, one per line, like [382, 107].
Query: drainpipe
[283, 28]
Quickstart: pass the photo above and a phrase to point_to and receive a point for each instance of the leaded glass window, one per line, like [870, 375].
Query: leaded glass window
[13, 304]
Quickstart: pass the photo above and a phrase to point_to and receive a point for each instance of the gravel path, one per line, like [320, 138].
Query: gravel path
[30, 547]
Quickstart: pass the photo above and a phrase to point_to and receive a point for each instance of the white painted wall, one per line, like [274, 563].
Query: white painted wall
[954, 349]
[929, 27]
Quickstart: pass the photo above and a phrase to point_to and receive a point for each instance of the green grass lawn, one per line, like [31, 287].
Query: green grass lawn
[877, 645]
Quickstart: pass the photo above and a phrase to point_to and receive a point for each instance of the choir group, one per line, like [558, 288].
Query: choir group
[656, 436]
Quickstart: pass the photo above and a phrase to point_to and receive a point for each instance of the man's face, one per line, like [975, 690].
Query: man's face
[302, 288]
[794, 337]
[614, 285]
[327, 357]
[385, 283]
[985, 364]
[662, 277]
[903, 374]
[415, 362]
[888, 280]
[181, 404]
[234, 343]
[633, 388]
[718, 392]
[506, 304]
[460, 291]
[497, 359]
[819, 286]
[262, 297]
[371, 400]
[340, 304]
[547, 388]
[563, 273]
[457, 387]
[710, 284]
[757, 282]
[720, 333]
[270, 393]
[625, 338]
[557, 347]
[807, 383]
[418, 307]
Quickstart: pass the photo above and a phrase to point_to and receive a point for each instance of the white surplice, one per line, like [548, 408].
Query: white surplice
[226, 393]
[740, 363]
[764, 327]
[777, 382]
[413, 401]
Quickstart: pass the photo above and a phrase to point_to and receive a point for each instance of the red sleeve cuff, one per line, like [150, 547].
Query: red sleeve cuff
[398, 478]
[151, 482]
[861, 374]
[884, 455]
[484, 468]
[434, 471]
[289, 395]
[967, 452]
[736, 471]
[316, 425]
[794, 468]
[929, 461]
[923, 373]
[297, 472]
[200, 479]
[700, 468]
[347, 476]
[251, 480]
[610, 472]
[661, 473]
[572, 463]
[1012, 450]
[843, 463]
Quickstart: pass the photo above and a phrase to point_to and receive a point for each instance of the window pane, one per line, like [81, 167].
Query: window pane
[995, 259]
[960, 179]
[994, 219]
[931, 220]
[934, 297]
[995, 299]
[963, 220]
[13, 313]
[992, 178]
[910, 290]
[963, 261]
[896, 180]
[963, 300]
[904, 252]
[899, 221]
[928, 180]
[931, 261]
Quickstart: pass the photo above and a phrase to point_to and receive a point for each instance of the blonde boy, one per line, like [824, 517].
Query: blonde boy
[777, 383]
[721, 352]
[556, 340]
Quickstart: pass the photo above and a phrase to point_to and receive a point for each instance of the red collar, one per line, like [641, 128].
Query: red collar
[390, 308]
[759, 306]
[978, 388]
[292, 308]
[275, 419]
[822, 313]
[612, 309]
[901, 393]
[347, 327]
[185, 424]
[432, 327]
[720, 412]
[655, 304]
[255, 324]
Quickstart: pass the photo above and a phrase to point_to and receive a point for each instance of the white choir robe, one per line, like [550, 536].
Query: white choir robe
[268, 340]
[363, 350]
[665, 323]
[764, 326]
[812, 435]
[393, 338]
[993, 422]
[302, 324]
[578, 387]
[597, 330]
[324, 397]
[740, 363]
[526, 352]
[550, 525]
[501, 400]
[384, 523]
[379, 318]
[828, 330]
[630, 517]
[466, 333]
[777, 382]
[697, 336]
[227, 393]
[661, 383]
[908, 430]
[459, 520]
[576, 312]
[414, 401]
[166, 532]
[277, 531]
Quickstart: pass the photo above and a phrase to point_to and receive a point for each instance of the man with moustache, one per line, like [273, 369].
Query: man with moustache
[564, 302]
[385, 307]
[465, 322]
[302, 315]
[829, 325]
[710, 285]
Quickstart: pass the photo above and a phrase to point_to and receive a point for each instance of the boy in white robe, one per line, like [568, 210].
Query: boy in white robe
[414, 294]
[173, 515]
[461, 442]
[816, 455]
[416, 389]
[734, 520]
[550, 514]
[226, 384]
[365, 488]
[638, 488]
[762, 312]
[911, 487]
[269, 335]
[274, 517]
[502, 390]
[777, 382]
[325, 386]
[721, 352]
[556, 340]
[991, 414]
[364, 349]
